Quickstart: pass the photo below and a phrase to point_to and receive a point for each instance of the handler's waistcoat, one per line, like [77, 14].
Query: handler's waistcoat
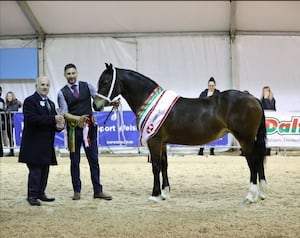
[79, 106]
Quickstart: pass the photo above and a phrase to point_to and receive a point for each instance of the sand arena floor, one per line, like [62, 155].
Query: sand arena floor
[206, 200]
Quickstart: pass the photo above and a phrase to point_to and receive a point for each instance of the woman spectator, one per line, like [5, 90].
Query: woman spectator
[267, 99]
[2, 119]
[208, 92]
[268, 103]
[12, 106]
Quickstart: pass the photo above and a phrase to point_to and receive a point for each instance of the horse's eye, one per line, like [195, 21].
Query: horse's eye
[105, 82]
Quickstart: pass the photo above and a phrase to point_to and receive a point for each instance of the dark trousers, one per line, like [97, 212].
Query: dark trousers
[201, 150]
[37, 180]
[10, 136]
[1, 145]
[92, 156]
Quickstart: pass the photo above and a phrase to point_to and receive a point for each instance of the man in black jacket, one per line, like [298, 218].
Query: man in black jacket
[37, 145]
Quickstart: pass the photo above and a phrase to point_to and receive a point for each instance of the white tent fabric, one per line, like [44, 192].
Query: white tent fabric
[89, 55]
[272, 61]
[185, 63]
[180, 63]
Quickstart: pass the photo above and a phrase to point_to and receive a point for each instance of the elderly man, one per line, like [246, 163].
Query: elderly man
[37, 145]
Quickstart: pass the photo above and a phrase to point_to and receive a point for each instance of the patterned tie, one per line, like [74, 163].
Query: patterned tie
[47, 105]
[75, 91]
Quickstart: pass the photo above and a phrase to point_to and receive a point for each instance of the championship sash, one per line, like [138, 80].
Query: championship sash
[154, 111]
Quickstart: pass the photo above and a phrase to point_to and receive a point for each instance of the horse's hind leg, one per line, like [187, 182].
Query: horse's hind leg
[248, 149]
[262, 181]
[165, 193]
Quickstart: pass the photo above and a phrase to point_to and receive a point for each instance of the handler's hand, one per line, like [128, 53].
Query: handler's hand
[83, 118]
[115, 103]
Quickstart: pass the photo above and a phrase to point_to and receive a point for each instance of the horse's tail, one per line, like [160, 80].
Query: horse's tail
[260, 142]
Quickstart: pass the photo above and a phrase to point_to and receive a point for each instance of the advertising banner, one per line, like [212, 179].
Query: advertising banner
[283, 130]
[108, 124]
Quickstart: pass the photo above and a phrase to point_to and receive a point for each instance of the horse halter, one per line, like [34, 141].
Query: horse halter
[107, 98]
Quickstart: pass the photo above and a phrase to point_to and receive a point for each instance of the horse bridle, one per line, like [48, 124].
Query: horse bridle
[107, 98]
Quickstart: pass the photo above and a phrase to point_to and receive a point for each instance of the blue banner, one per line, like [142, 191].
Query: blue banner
[108, 133]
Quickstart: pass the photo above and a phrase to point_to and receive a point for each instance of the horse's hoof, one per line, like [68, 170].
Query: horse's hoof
[262, 190]
[252, 195]
[165, 193]
[262, 196]
[248, 200]
[154, 198]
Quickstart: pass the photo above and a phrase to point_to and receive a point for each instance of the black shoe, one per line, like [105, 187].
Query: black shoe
[201, 151]
[212, 151]
[33, 201]
[102, 195]
[10, 154]
[268, 152]
[44, 198]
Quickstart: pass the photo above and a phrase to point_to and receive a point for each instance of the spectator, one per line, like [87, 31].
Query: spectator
[268, 103]
[12, 106]
[37, 145]
[210, 91]
[74, 101]
[2, 121]
[267, 99]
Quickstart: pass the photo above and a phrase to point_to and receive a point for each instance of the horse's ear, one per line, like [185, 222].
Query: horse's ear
[109, 67]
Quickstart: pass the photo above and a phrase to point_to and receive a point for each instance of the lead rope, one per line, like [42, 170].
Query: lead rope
[120, 123]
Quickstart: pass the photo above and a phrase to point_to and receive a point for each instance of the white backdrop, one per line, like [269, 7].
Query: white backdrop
[89, 55]
[272, 61]
[185, 63]
[180, 63]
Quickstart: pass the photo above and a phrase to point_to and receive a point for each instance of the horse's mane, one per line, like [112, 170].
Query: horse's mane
[137, 75]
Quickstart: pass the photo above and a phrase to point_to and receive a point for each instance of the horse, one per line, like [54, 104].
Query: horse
[190, 121]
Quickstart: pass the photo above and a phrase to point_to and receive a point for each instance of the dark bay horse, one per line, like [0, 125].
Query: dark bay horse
[192, 121]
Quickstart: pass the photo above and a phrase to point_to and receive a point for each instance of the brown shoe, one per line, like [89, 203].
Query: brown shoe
[76, 196]
[102, 195]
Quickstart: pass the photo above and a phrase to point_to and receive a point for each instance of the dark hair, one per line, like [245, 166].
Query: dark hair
[68, 66]
[211, 79]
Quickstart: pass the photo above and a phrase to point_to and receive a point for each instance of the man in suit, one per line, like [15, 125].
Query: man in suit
[37, 145]
[74, 101]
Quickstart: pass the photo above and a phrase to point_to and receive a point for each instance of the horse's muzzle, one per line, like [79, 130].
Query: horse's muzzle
[99, 104]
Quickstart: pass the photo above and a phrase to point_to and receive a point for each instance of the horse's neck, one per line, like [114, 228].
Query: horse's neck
[136, 89]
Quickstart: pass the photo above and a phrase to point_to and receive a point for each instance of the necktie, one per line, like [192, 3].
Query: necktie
[75, 91]
[47, 105]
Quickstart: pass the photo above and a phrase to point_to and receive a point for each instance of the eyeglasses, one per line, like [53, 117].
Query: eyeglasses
[211, 85]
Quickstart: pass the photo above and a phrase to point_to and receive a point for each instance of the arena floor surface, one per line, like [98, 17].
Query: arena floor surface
[206, 200]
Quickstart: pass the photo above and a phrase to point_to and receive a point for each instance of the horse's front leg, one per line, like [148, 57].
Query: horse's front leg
[165, 193]
[155, 154]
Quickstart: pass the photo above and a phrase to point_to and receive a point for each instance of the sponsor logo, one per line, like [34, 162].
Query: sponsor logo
[292, 127]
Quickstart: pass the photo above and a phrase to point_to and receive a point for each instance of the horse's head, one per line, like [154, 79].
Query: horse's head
[107, 86]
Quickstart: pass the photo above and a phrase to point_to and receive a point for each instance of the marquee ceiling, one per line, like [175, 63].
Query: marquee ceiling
[39, 18]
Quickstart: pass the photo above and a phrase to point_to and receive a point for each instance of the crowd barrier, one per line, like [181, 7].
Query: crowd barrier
[283, 131]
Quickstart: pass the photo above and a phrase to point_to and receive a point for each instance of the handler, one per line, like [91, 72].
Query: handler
[74, 101]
